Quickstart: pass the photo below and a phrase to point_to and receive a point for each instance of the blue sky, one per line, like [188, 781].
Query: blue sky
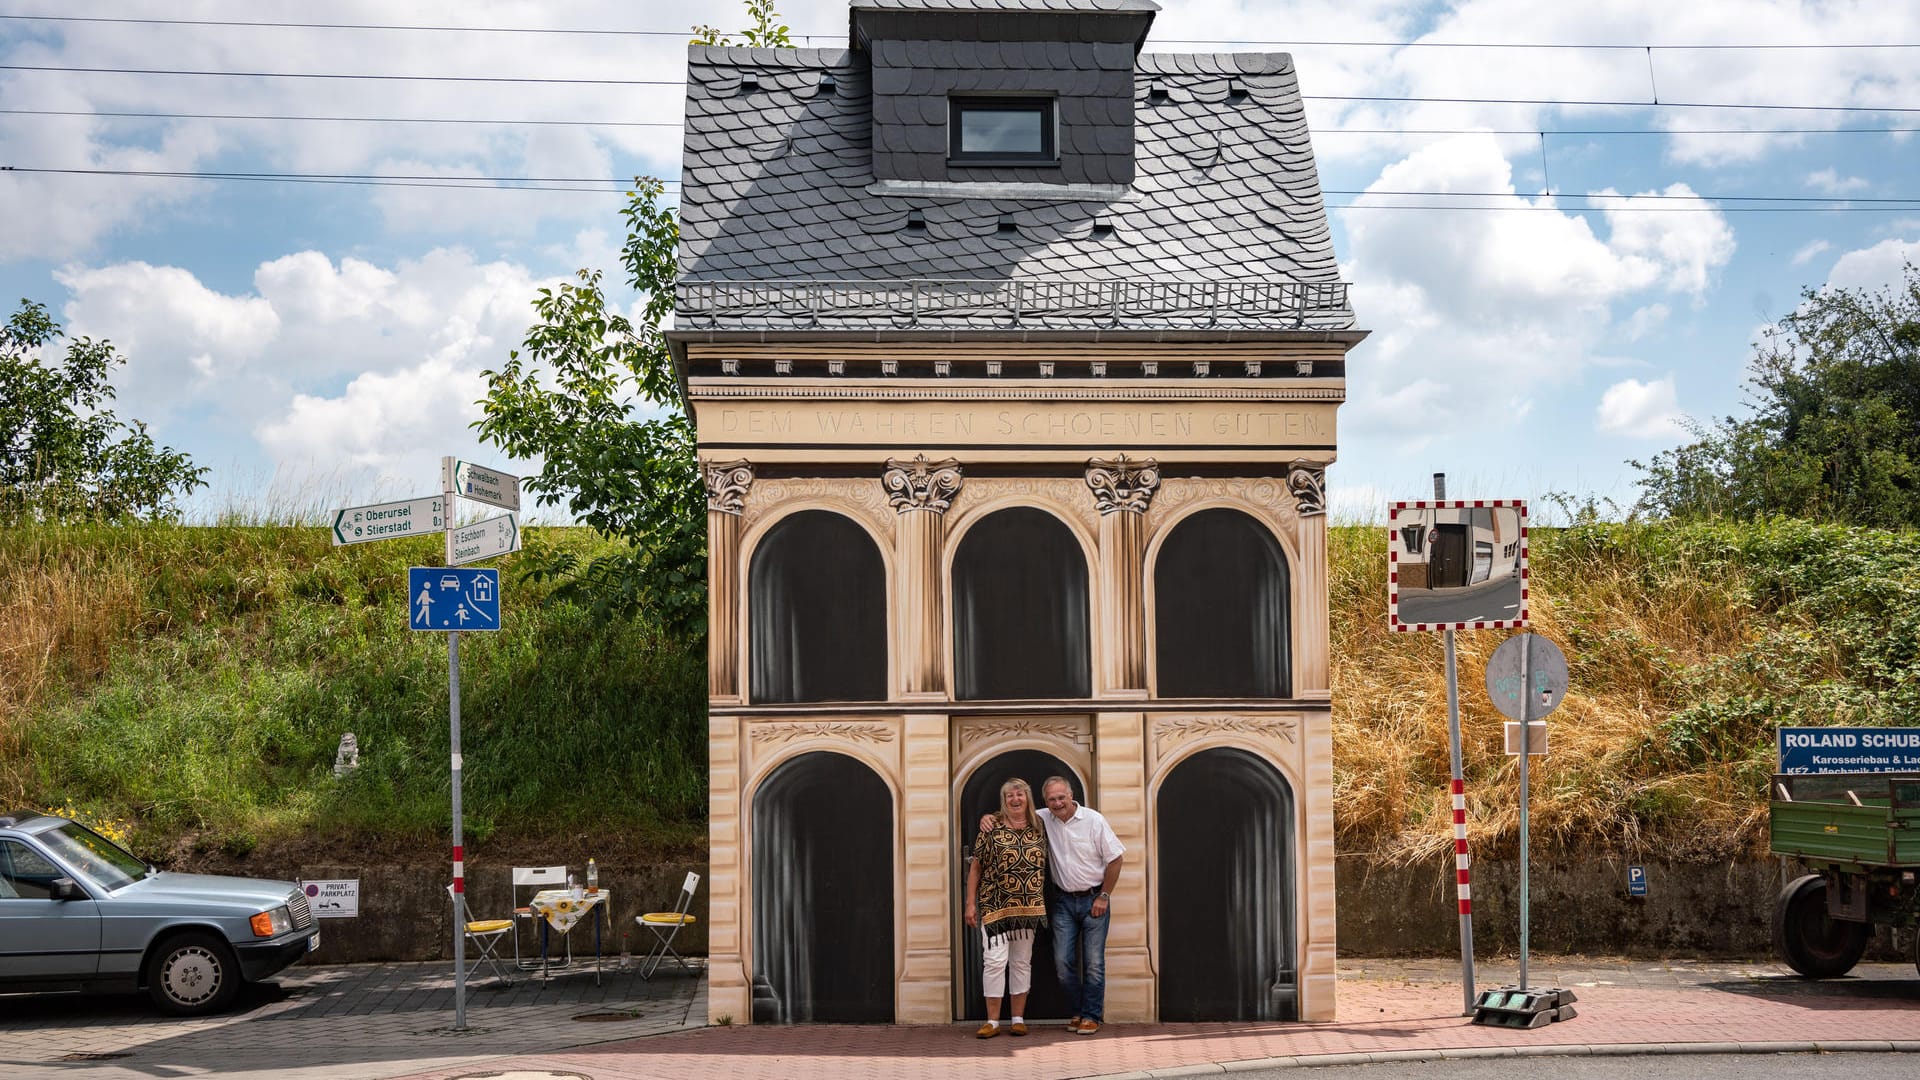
[319, 344]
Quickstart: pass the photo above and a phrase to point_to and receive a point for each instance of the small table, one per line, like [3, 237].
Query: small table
[563, 911]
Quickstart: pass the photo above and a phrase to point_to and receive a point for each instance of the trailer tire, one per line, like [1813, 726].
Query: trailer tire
[1810, 942]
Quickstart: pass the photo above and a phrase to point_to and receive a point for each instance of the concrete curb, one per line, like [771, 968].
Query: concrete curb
[1376, 1057]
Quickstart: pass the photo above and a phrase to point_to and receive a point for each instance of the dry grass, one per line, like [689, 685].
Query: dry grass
[1627, 628]
[64, 605]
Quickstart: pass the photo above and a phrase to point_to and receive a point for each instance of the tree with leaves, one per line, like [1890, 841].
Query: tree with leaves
[64, 456]
[1834, 427]
[596, 397]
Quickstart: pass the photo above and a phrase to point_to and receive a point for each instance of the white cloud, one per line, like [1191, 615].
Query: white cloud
[1645, 321]
[1832, 183]
[1476, 315]
[1640, 410]
[1810, 251]
[360, 373]
[1877, 267]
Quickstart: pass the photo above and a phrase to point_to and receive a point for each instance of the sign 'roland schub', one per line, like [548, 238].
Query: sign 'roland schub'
[1849, 749]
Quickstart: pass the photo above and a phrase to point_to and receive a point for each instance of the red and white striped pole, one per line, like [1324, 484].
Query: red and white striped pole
[1459, 793]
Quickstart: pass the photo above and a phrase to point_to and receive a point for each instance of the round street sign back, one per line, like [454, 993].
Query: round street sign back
[1547, 671]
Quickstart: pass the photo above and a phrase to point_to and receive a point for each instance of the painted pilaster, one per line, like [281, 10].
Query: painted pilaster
[727, 483]
[920, 491]
[1123, 490]
[1120, 793]
[729, 994]
[1311, 671]
[926, 966]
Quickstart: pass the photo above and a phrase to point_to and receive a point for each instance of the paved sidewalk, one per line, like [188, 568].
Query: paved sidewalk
[377, 1021]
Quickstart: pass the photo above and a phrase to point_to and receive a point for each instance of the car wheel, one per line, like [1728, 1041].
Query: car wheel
[193, 974]
[1808, 940]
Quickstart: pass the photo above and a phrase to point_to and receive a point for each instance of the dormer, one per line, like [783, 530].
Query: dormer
[1002, 91]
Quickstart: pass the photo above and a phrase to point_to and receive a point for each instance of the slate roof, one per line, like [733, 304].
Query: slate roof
[778, 185]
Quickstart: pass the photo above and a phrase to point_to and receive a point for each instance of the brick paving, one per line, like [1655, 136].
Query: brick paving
[371, 1022]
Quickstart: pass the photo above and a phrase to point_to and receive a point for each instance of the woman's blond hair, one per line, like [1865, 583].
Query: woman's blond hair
[1016, 784]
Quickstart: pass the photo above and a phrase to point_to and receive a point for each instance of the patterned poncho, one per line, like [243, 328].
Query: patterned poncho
[1013, 878]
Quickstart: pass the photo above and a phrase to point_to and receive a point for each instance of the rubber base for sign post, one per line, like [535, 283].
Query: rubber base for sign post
[1512, 1007]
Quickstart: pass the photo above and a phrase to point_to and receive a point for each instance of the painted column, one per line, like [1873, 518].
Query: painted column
[729, 995]
[920, 491]
[926, 964]
[1318, 975]
[1120, 793]
[1123, 489]
[727, 483]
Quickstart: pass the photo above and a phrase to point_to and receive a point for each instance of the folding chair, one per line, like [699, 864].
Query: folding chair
[483, 934]
[535, 878]
[665, 926]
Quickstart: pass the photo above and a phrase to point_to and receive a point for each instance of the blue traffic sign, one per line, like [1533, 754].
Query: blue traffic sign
[453, 598]
[1636, 881]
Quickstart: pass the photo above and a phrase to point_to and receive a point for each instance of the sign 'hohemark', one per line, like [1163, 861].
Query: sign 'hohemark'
[479, 483]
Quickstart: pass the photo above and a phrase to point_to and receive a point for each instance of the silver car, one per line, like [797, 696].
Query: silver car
[78, 912]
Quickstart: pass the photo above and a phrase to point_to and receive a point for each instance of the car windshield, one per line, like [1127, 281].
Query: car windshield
[105, 862]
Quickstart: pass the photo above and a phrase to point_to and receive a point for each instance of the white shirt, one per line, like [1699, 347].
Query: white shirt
[1079, 848]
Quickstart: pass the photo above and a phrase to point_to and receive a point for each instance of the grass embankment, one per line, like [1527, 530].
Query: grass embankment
[1687, 644]
[197, 682]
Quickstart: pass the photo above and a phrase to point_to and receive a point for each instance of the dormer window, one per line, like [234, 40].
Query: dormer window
[1001, 131]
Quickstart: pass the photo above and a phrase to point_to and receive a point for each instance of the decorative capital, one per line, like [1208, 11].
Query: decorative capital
[727, 484]
[1308, 482]
[921, 484]
[1123, 483]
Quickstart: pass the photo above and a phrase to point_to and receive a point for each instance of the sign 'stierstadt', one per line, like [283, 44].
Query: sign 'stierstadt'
[389, 521]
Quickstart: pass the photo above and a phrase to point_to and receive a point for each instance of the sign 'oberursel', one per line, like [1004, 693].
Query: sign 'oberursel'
[389, 521]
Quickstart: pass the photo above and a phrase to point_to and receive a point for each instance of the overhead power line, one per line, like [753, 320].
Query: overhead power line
[1696, 203]
[610, 32]
[532, 80]
[1317, 132]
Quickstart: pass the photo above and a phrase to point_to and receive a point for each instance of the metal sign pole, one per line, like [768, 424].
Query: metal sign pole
[1526, 752]
[1458, 792]
[459, 852]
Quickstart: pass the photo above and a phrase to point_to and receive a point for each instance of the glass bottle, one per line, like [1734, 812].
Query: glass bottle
[593, 876]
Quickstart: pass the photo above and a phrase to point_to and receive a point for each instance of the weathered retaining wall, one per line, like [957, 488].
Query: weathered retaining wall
[1690, 910]
[405, 913]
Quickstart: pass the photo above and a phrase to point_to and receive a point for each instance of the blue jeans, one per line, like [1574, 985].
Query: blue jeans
[1080, 941]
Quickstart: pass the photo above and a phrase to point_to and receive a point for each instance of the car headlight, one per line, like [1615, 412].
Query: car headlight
[270, 923]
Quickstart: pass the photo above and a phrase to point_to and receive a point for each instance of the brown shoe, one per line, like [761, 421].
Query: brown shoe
[1017, 1028]
[1073, 1026]
[1087, 1027]
[987, 1031]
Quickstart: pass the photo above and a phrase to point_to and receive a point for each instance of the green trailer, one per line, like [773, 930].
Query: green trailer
[1861, 832]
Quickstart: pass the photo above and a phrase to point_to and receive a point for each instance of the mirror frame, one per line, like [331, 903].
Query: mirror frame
[1396, 549]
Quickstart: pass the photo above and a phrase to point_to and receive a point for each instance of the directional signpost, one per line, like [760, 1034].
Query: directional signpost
[479, 483]
[482, 540]
[389, 521]
[449, 599]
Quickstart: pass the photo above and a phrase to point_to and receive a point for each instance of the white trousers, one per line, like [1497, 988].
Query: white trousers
[1007, 964]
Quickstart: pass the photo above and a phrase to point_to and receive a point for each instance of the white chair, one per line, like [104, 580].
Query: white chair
[533, 878]
[483, 934]
[665, 925]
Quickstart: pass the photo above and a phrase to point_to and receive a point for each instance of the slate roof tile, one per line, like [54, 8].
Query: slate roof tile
[776, 179]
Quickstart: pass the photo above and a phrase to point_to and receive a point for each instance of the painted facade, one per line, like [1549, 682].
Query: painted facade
[1008, 520]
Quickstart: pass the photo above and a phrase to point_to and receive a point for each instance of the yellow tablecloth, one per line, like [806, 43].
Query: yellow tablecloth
[561, 910]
